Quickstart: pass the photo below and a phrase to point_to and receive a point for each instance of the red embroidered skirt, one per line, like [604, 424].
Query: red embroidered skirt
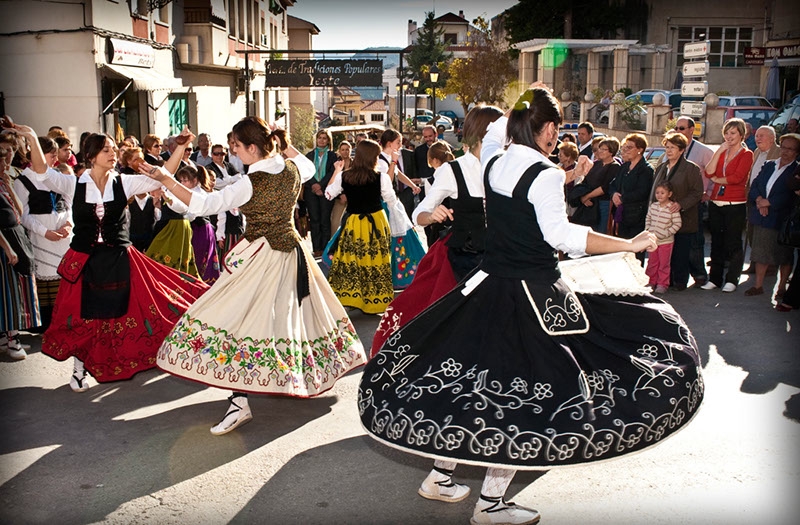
[118, 348]
[433, 280]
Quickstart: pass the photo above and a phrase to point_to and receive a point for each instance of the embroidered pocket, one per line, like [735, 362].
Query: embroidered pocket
[71, 265]
[557, 308]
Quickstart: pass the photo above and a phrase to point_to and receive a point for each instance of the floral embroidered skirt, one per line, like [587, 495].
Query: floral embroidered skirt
[433, 280]
[249, 332]
[204, 246]
[115, 349]
[478, 378]
[172, 247]
[360, 265]
[407, 252]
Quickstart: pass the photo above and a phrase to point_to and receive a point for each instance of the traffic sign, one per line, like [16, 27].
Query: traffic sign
[695, 69]
[696, 49]
[693, 109]
[694, 89]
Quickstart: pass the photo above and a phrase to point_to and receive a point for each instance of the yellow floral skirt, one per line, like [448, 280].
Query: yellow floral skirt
[361, 268]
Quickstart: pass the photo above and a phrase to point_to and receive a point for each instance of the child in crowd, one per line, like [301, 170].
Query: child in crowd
[664, 224]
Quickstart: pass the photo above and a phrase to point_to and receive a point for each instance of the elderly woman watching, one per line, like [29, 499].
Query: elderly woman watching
[687, 190]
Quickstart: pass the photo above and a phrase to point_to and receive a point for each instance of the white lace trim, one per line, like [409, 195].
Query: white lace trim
[611, 274]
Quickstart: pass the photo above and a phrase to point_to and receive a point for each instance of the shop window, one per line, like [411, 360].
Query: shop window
[727, 43]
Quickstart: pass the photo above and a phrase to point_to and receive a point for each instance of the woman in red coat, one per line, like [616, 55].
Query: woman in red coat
[729, 169]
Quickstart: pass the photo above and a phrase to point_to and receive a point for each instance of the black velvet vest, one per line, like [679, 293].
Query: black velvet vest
[515, 246]
[87, 225]
[364, 198]
[42, 202]
[234, 224]
[142, 220]
[469, 220]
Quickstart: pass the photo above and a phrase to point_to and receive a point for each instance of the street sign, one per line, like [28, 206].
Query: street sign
[695, 69]
[694, 89]
[693, 109]
[696, 49]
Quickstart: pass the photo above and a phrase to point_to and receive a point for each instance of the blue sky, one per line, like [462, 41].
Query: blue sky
[359, 24]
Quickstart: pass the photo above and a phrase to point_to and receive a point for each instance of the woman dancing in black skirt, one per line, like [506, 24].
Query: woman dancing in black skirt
[527, 364]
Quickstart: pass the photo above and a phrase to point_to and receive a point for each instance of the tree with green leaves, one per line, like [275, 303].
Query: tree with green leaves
[485, 73]
[429, 49]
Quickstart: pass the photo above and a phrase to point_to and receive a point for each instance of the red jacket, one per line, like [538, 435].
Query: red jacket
[736, 173]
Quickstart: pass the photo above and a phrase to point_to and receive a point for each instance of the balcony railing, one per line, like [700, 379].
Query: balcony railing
[201, 15]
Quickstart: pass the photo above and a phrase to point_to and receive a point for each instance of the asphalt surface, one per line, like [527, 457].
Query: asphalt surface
[139, 451]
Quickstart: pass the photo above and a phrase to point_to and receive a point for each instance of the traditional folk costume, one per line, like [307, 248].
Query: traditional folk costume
[143, 216]
[44, 210]
[231, 226]
[516, 368]
[19, 306]
[204, 246]
[451, 258]
[115, 305]
[358, 254]
[172, 244]
[407, 250]
[271, 323]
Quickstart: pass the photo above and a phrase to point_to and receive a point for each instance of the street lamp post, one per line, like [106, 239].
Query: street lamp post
[434, 78]
[415, 83]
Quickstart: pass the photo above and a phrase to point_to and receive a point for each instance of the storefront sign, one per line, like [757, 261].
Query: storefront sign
[323, 73]
[755, 56]
[128, 53]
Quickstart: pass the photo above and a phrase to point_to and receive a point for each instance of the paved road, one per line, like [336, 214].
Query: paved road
[140, 451]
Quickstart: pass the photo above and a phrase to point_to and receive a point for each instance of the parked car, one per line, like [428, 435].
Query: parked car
[653, 155]
[787, 112]
[421, 120]
[726, 100]
[646, 95]
[603, 118]
[451, 115]
[573, 130]
[756, 115]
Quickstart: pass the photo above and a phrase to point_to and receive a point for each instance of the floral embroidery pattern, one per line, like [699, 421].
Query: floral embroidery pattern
[578, 422]
[274, 365]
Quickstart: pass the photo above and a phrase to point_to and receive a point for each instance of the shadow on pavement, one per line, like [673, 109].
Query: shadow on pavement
[748, 333]
[359, 480]
[100, 463]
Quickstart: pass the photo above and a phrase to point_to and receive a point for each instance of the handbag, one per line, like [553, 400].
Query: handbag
[789, 233]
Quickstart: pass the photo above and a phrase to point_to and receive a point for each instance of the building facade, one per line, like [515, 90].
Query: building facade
[139, 66]
[654, 59]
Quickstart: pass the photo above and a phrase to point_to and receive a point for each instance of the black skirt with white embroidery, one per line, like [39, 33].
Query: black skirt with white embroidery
[509, 373]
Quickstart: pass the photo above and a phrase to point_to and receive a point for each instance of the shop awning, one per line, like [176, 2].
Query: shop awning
[145, 79]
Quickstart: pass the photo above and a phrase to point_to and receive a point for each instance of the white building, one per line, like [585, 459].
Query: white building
[138, 66]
